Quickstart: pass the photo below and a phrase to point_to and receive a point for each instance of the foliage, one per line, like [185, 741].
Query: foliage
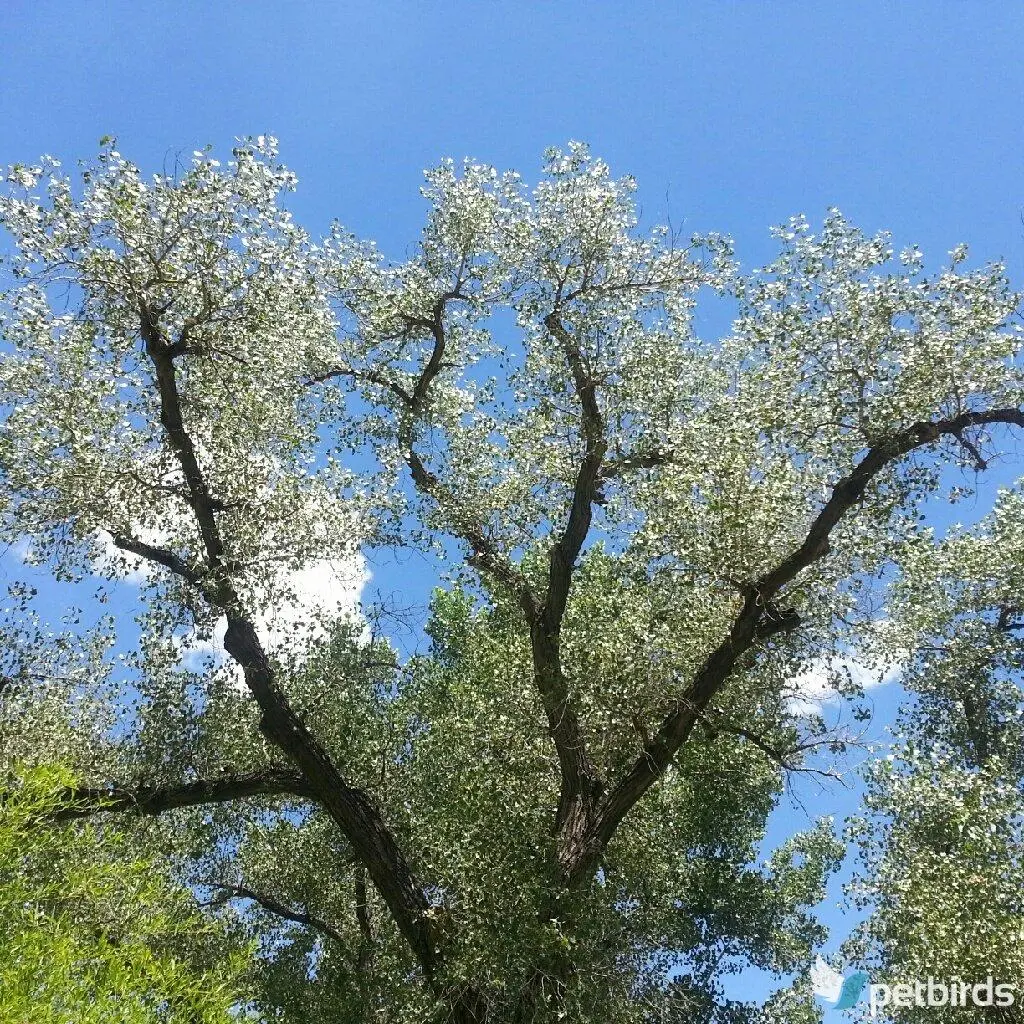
[645, 543]
[945, 850]
[91, 932]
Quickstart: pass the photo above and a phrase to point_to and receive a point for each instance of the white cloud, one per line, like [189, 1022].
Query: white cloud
[317, 593]
[822, 681]
[322, 590]
[21, 550]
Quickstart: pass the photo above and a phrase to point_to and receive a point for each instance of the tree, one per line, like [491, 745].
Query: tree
[944, 870]
[643, 537]
[91, 932]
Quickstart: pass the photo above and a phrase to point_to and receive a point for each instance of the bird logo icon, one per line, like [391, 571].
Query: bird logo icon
[828, 984]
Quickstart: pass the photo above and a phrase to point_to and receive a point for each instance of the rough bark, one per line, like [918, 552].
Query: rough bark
[352, 809]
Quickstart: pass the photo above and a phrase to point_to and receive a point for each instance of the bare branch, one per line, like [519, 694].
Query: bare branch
[275, 907]
[783, 758]
[980, 463]
[367, 375]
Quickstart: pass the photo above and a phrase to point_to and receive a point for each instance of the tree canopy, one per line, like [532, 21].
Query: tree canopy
[554, 806]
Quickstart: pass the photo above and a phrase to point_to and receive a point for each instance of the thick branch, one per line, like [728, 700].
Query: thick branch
[352, 809]
[588, 476]
[850, 490]
[580, 784]
[161, 354]
[83, 801]
[578, 775]
[152, 553]
[750, 624]
[433, 367]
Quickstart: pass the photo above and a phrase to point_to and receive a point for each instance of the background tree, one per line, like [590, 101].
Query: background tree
[943, 848]
[556, 811]
[92, 932]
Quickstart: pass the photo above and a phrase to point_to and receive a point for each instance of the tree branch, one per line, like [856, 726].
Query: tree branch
[567, 549]
[483, 554]
[84, 801]
[152, 553]
[616, 467]
[363, 919]
[581, 785]
[980, 463]
[777, 621]
[783, 758]
[749, 625]
[353, 810]
[276, 907]
[368, 375]
[161, 355]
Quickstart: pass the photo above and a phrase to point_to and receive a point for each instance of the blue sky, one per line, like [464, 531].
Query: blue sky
[732, 116]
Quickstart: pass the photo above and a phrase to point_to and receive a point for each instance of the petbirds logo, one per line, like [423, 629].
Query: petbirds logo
[832, 987]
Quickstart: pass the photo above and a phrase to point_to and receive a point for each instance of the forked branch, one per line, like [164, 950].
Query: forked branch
[750, 626]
